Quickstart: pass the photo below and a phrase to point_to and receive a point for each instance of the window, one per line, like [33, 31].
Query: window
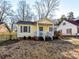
[69, 31]
[25, 29]
[64, 23]
[40, 28]
[50, 29]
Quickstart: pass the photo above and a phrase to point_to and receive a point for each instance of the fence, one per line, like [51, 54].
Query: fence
[7, 35]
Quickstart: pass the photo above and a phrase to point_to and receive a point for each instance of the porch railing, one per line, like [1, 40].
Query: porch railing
[43, 33]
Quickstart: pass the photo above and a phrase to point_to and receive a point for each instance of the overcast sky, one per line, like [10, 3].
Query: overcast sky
[65, 6]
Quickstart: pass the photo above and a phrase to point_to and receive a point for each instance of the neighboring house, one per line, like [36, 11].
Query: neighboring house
[41, 27]
[69, 27]
[55, 24]
[4, 28]
[55, 27]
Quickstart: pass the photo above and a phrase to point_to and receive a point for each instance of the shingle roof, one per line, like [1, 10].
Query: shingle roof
[5, 26]
[76, 22]
[31, 22]
[25, 22]
[1, 22]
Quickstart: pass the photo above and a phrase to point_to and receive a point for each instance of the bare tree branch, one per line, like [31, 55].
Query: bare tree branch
[24, 11]
[5, 10]
[45, 8]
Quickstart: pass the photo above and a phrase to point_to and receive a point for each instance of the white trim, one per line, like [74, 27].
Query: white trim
[23, 29]
[37, 29]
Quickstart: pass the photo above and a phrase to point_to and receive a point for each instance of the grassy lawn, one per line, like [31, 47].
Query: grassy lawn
[74, 41]
[56, 49]
[8, 42]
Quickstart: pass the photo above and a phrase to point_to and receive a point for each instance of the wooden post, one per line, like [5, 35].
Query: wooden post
[52, 30]
[37, 30]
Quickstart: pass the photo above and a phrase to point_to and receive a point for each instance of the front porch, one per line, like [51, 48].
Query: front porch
[43, 34]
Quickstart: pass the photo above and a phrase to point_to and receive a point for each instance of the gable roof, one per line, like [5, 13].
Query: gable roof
[43, 19]
[5, 26]
[1, 22]
[76, 22]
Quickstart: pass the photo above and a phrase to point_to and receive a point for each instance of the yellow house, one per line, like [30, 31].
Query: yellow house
[43, 27]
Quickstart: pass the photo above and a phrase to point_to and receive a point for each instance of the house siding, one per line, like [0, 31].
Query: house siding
[33, 29]
[45, 23]
[22, 34]
[67, 26]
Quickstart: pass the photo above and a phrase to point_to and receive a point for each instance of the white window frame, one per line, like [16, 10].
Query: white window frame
[69, 31]
[27, 29]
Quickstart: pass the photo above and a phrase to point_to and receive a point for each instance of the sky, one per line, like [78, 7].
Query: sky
[68, 6]
[65, 6]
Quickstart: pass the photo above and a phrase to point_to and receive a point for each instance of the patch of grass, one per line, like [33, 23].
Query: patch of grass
[8, 42]
[74, 41]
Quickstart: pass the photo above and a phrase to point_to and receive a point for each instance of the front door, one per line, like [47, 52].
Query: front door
[40, 28]
[40, 31]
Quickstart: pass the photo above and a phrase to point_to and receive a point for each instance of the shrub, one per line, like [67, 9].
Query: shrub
[47, 38]
[34, 38]
[40, 38]
[24, 37]
[57, 35]
[29, 37]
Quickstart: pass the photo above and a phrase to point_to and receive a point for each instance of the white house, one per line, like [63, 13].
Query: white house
[67, 27]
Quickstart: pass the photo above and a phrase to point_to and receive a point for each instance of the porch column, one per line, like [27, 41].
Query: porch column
[37, 29]
[44, 35]
[52, 30]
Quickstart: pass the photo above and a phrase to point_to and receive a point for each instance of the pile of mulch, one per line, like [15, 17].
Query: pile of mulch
[40, 50]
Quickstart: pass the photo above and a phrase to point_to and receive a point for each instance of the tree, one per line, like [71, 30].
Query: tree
[70, 16]
[46, 8]
[13, 20]
[24, 11]
[63, 17]
[5, 10]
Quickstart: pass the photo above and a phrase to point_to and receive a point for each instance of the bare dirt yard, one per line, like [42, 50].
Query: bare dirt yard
[56, 49]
